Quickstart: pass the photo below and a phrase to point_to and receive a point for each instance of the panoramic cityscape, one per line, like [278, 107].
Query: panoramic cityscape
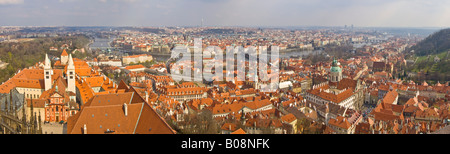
[196, 67]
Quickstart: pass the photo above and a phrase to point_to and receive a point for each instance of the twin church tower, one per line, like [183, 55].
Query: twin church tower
[66, 59]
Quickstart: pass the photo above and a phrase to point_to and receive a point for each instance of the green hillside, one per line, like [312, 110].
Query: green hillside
[20, 55]
[432, 57]
[432, 63]
[433, 44]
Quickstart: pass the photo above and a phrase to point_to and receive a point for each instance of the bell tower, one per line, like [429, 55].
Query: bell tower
[335, 71]
[71, 75]
[64, 57]
[47, 73]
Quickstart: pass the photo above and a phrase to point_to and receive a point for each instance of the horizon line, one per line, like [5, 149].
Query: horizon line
[240, 26]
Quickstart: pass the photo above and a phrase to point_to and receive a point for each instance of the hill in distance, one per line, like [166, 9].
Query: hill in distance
[434, 44]
[432, 57]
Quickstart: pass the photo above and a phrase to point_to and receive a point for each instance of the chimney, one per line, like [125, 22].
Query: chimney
[125, 109]
[146, 96]
[84, 129]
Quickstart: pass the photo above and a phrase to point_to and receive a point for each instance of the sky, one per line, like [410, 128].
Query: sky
[360, 13]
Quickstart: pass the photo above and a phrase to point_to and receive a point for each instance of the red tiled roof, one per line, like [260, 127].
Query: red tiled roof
[288, 118]
[390, 97]
[330, 96]
[64, 53]
[28, 78]
[227, 126]
[340, 121]
[98, 118]
[239, 131]
[134, 67]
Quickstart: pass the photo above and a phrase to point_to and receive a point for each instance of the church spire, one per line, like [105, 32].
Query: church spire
[47, 63]
[6, 105]
[11, 105]
[24, 117]
[334, 62]
[71, 76]
[39, 123]
[47, 73]
[70, 63]
[31, 108]
[35, 124]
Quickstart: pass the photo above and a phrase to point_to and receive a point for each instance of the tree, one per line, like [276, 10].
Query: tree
[303, 125]
[202, 123]
[24, 54]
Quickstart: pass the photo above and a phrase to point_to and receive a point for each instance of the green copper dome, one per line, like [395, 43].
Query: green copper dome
[335, 67]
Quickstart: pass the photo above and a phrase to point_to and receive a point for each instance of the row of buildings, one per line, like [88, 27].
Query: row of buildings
[64, 93]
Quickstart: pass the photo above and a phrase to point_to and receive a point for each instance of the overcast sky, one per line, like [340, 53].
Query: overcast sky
[366, 13]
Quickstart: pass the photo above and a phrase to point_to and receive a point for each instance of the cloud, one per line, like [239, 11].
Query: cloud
[408, 13]
[6, 2]
[127, 1]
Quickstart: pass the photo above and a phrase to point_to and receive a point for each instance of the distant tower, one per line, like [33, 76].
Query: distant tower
[335, 72]
[64, 57]
[256, 81]
[47, 73]
[202, 23]
[71, 75]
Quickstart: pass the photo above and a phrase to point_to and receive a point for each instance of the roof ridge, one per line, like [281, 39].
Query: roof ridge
[139, 117]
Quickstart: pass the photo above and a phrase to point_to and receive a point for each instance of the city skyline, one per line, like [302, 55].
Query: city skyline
[399, 13]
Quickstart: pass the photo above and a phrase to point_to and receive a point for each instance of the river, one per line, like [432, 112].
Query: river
[101, 43]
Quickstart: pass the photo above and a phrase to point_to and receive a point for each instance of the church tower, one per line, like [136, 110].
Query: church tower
[47, 73]
[335, 71]
[64, 57]
[71, 75]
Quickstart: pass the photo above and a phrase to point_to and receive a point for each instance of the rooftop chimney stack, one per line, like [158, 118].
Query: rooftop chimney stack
[125, 109]
[84, 129]
[146, 96]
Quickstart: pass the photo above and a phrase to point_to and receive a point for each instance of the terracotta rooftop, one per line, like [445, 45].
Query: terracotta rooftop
[288, 118]
[134, 67]
[336, 98]
[390, 97]
[229, 126]
[64, 53]
[340, 121]
[239, 131]
[28, 78]
[110, 118]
